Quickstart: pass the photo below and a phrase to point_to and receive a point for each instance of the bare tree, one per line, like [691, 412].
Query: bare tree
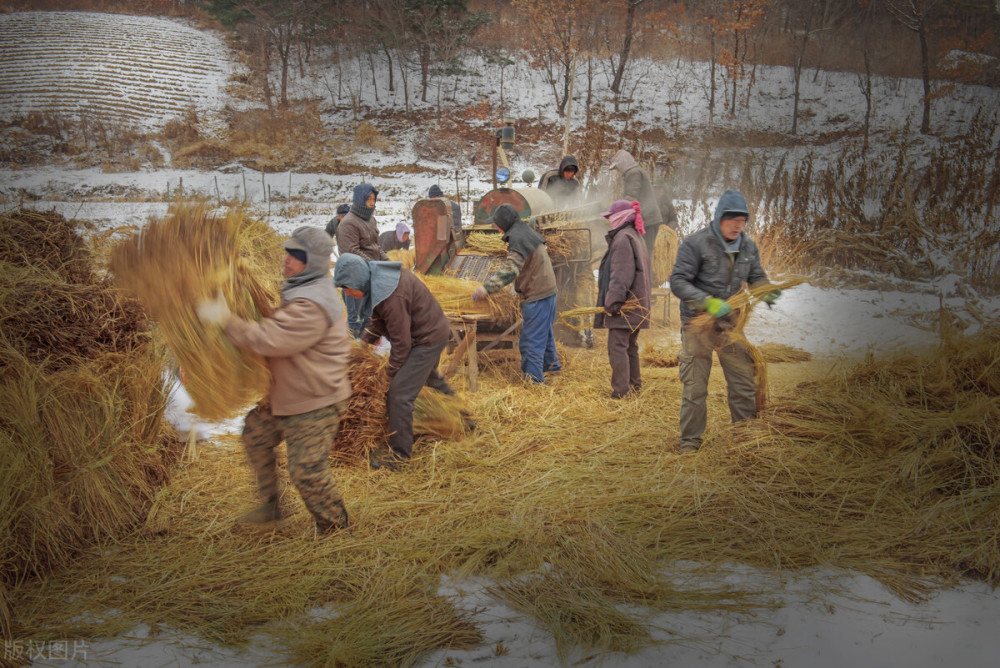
[914, 15]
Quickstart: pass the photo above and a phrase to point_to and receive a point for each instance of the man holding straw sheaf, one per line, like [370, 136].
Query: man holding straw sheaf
[402, 309]
[712, 265]
[307, 347]
[529, 268]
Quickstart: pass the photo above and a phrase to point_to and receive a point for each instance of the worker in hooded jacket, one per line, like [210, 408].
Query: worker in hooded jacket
[712, 265]
[307, 348]
[529, 268]
[404, 311]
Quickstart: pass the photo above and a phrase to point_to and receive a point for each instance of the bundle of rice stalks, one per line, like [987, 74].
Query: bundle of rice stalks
[188, 256]
[365, 426]
[484, 243]
[730, 331]
[664, 255]
[657, 356]
[407, 257]
[583, 317]
[455, 296]
[560, 247]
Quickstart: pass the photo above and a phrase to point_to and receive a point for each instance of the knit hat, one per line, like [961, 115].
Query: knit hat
[504, 217]
[343, 209]
[359, 205]
[435, 191]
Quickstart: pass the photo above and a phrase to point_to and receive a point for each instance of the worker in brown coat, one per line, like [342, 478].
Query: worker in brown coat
[624, 275]
[404, 311]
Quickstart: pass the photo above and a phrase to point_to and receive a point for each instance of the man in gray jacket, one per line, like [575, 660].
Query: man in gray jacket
[712, 265]
[638, 188]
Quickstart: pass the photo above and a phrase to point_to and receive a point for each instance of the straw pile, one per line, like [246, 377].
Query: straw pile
[407, 257]
[81, 401]
[188, 256]
[664, 255]
[484, 243]
[455, 296]
[559, 246]
[575, 511]
[365, 427]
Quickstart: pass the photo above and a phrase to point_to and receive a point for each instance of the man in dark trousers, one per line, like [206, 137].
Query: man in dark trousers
[404, 311]
[638, 188]
[357, 234]
[624, 275]
[712, 265]
[529, 268]
[456, 209]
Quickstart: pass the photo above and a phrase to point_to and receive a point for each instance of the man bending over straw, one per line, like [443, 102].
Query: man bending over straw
[712, 265]
[403, 310]
[528, 266]
[307, 347]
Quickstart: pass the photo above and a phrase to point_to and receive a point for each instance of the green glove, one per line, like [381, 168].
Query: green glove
[771, 296]
[717, 307]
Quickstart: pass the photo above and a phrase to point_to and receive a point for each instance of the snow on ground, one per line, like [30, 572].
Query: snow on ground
[139, 69]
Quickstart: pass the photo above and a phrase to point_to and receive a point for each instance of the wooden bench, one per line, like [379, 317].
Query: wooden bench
[465, 342]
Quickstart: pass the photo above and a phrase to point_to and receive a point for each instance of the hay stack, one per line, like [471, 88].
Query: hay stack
[188, 256]
[484, 243]
[81, 400]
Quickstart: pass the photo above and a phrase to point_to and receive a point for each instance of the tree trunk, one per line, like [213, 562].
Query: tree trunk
[925, 122]
[626, 47]
[388, 56]
[425, 67]
[711, 87]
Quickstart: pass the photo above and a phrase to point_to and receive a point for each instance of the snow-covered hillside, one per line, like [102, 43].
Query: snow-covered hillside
[139, 70]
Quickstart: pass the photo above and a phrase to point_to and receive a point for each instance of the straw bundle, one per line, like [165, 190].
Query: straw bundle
[779, 352]
[559, 246]
[657, 356]
[664, 255]
[484, 243]
[186, 257]
[455, 296]
[582, 318]
[365, 427]
[407, 257]
[742, 304]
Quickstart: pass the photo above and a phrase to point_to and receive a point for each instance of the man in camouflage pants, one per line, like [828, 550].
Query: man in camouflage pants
[307, 347]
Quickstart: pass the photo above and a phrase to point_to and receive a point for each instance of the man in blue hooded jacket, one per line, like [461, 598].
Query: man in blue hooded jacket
[712, 265]
[403, 310]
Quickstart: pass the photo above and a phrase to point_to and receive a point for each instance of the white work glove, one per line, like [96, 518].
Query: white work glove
[214, 311]
[480, 293]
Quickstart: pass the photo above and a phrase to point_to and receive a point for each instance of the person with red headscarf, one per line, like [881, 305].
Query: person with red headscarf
[624, 275]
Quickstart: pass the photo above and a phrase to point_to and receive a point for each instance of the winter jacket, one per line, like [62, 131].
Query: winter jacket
[307, 353]
[360, 237]
[624, 272]
[387, 241]
[564, 192]
[703, 267]
[638, 188]
[409, 317]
